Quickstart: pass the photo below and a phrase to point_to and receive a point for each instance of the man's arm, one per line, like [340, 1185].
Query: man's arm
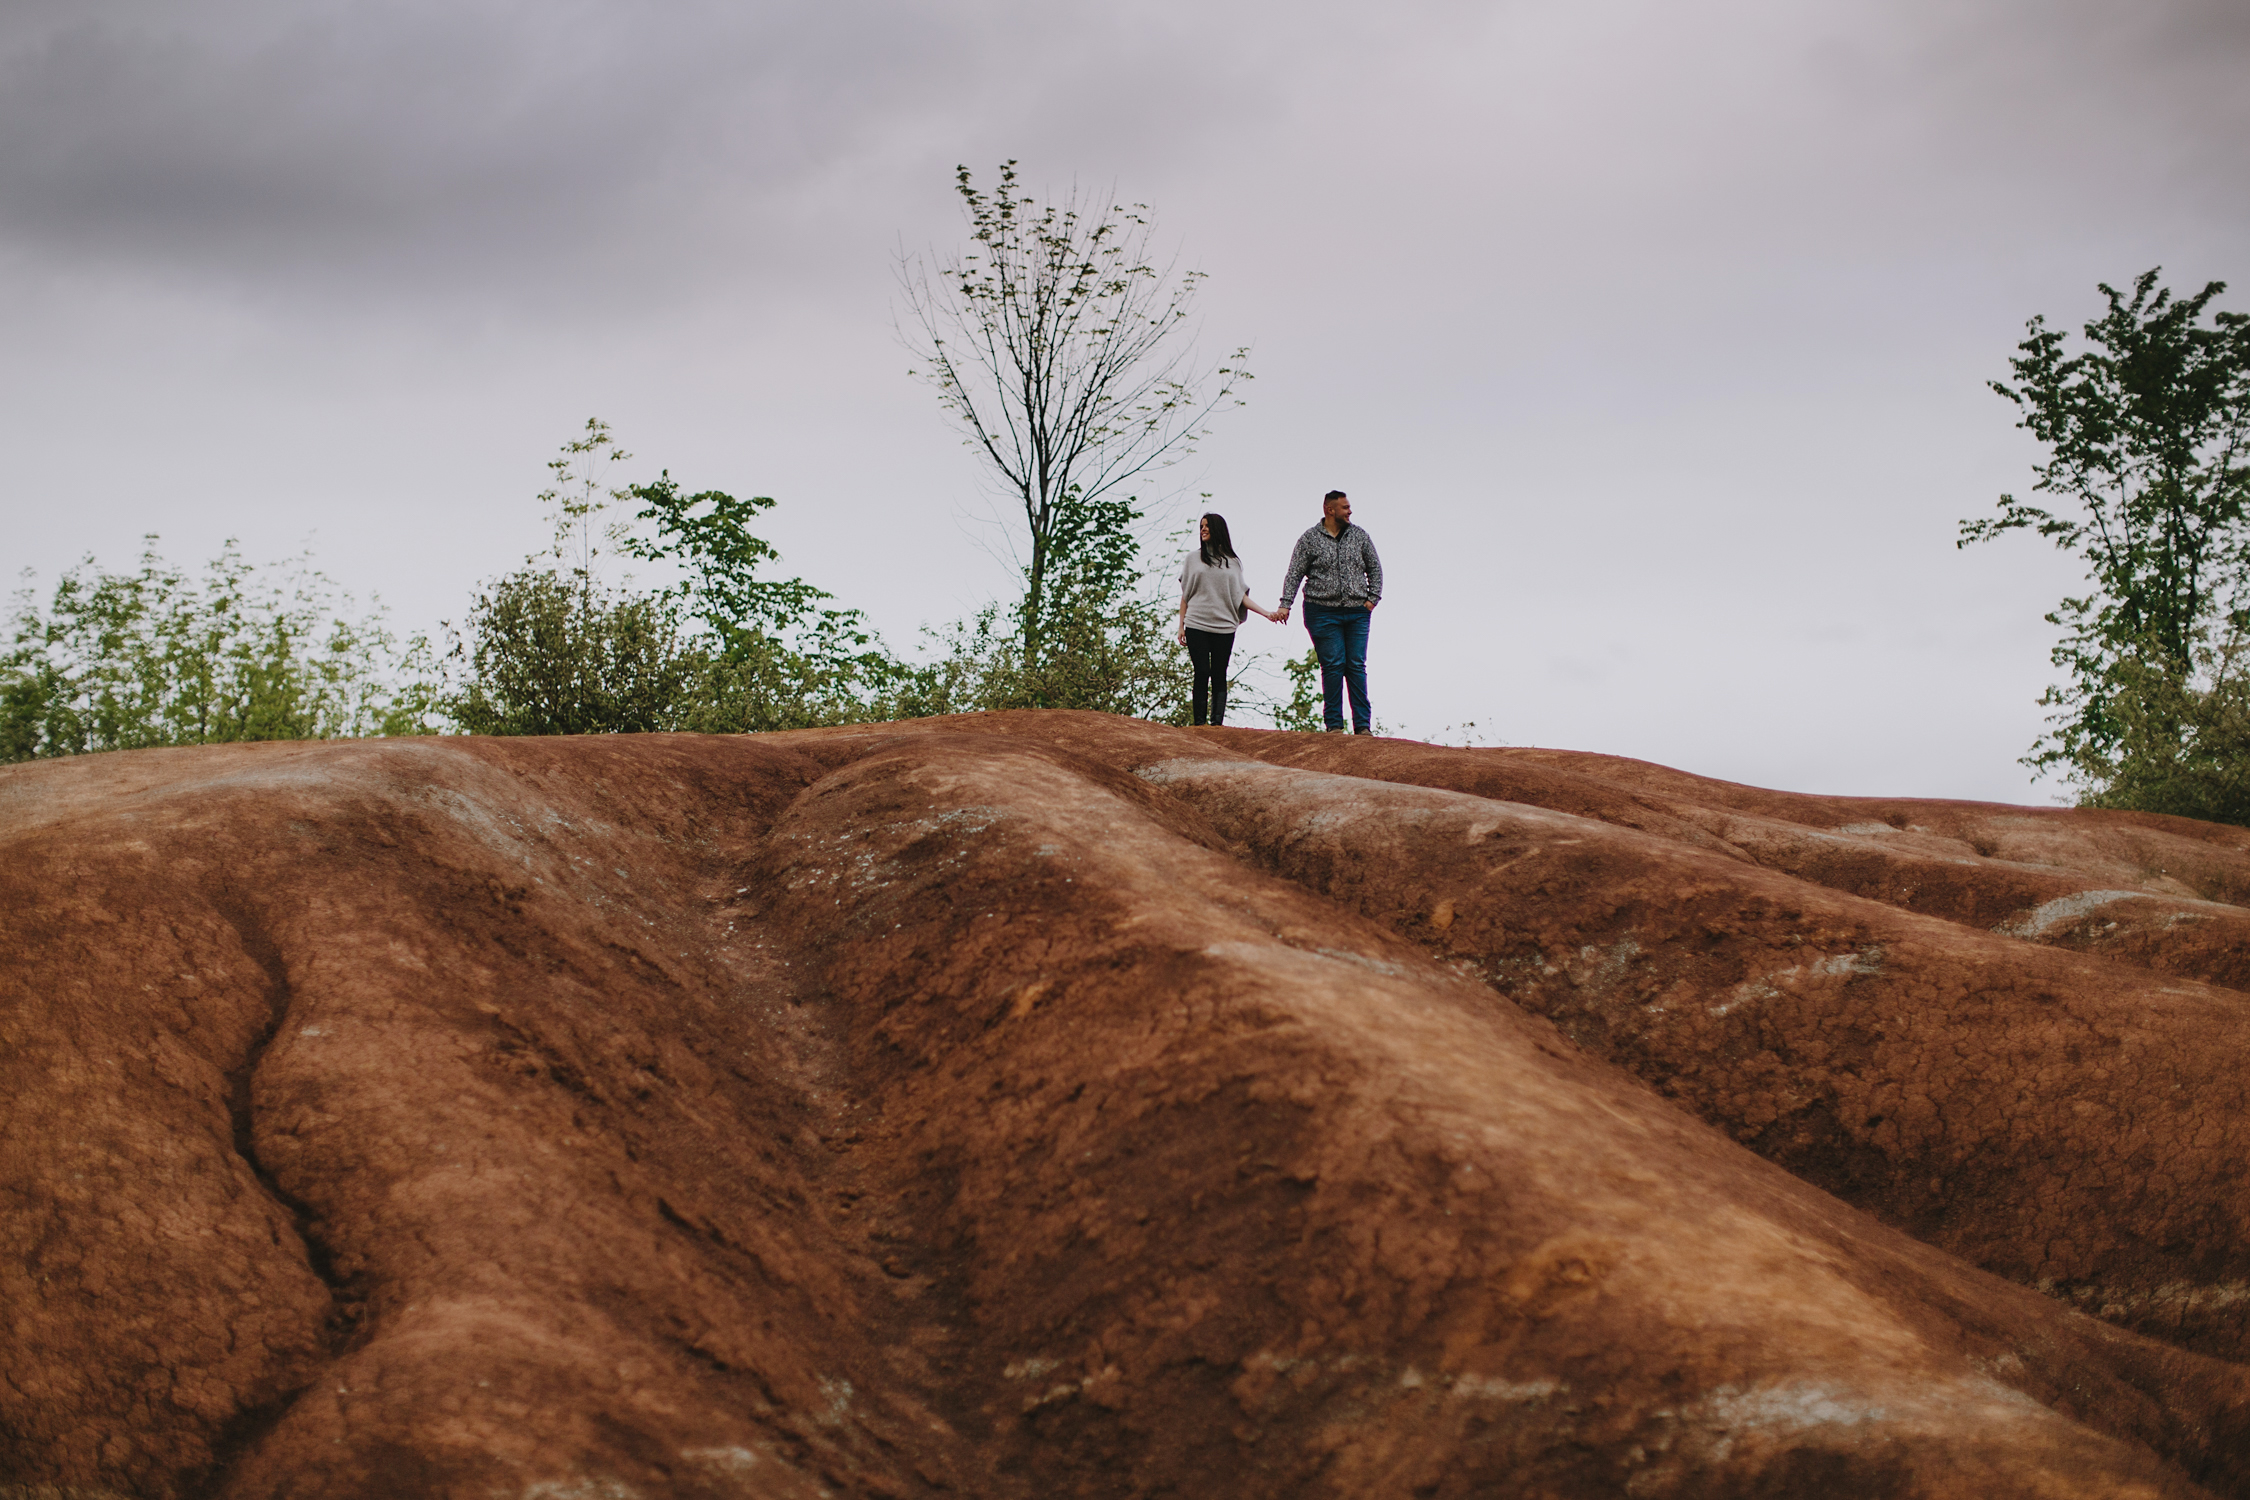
[1300, 557]
[1374, 570]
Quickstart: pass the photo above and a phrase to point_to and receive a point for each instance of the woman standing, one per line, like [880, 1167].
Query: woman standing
[1213, 600]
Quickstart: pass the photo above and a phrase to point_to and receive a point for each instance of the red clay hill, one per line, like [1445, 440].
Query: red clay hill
[1050, 1105]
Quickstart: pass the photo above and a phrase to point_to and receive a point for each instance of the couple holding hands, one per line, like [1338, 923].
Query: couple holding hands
[1343, 581]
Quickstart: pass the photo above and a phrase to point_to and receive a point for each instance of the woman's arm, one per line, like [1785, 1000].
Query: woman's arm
[1253, 607]
[1183, 619]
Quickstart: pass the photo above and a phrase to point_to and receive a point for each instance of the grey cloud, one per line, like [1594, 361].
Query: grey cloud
[501, 142]
[262, 138]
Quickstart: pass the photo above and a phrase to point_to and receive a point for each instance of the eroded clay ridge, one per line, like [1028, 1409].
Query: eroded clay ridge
[1034, 1105]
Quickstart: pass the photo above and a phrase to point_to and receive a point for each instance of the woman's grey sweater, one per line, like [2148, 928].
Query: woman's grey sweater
[1214, 593]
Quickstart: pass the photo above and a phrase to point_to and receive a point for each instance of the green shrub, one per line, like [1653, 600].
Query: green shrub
[1098, 639]
[551, 654]
[152, 657]
[1112, 657]
[2182, 742]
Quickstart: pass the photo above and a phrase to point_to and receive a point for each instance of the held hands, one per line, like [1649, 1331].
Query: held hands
[1281, 615]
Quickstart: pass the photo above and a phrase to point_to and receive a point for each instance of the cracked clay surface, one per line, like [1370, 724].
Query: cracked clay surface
[1037, 1105]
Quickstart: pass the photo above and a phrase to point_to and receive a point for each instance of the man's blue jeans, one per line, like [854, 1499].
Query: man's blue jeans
[1339, 638]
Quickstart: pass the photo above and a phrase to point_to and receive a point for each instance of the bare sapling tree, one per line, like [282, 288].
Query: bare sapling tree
[576, 496]
[1065, 353]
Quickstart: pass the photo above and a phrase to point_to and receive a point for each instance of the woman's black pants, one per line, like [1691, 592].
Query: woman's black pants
[1209, 650]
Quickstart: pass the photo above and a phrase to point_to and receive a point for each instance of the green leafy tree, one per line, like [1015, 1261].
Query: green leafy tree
[2147, 477]
[1062, 350]
[154, 656]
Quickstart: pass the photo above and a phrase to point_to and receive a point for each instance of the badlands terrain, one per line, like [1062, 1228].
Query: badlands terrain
[1046, 1105]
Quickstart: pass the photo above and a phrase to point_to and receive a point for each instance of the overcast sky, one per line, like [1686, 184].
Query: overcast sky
[1650, 339]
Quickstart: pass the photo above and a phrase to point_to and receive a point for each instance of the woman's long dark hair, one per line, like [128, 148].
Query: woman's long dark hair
[1221, 546]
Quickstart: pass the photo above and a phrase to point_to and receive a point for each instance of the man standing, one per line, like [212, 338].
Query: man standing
[1343, 581]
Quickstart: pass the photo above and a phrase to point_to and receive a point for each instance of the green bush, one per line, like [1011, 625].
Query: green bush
[152, 657]
[1098, 639]
[718, 649]
[550, 654]
[2182, 743]
[1112, 657]
[762, 684]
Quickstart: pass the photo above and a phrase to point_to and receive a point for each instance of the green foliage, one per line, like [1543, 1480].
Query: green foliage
[834, 674]
[2147, 432]
[576, 496]
[1117, 660]
[1105, 640]
[554, 654]
[781, 658]
[1302, 710]
[154, 657]
[1059, 346]
[2183, 741]
[552, 650]
[708, 535]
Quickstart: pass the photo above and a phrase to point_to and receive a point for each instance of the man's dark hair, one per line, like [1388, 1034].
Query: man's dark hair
[1221, 546]
[1333, 495]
